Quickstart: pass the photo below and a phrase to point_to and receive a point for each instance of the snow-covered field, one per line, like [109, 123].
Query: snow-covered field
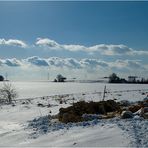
[26, 123]
[45, 88]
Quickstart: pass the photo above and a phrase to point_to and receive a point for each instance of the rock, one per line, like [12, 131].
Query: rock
[145, 104]
[145, 115]
[25, 102]
[144, 112]
[145, 99]
[13, 104]
[74, 143]
[61, 101]
[40, 105]
[127, 114]
[49, 105]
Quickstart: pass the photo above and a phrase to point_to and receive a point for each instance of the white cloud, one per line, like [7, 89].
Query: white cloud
[93, 63]
[51, 44]
[36, 61]
[13, 42]
[112, 49]
[57, 62]
[11, 62]
[103, 49]
[73, 63]
[74, 47]
[64, 62]
[128, 64]
[140, 52]
[47, 42]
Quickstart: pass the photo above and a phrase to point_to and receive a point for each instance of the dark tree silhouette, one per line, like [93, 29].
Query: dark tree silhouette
[60, 78]
[113, 78]
[1, 78]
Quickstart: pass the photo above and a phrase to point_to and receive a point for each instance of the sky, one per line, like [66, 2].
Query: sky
[86, 40]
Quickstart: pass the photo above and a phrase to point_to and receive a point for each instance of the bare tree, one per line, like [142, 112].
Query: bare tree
[8, 92]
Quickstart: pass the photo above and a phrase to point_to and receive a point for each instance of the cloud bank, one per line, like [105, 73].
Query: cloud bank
[103, 49]
[72, 63]
[54, 61]
[36, 68]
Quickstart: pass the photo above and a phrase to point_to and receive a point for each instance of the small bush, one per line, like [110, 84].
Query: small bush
[8, 92]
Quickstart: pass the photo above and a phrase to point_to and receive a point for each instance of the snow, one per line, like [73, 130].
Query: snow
[82, 136]
[27, 124]
[106, 132]
[45, 88]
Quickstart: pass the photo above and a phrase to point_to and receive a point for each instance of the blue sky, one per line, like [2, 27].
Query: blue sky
[115, 33]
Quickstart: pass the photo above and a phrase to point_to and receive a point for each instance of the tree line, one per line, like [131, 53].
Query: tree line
[113, 78]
